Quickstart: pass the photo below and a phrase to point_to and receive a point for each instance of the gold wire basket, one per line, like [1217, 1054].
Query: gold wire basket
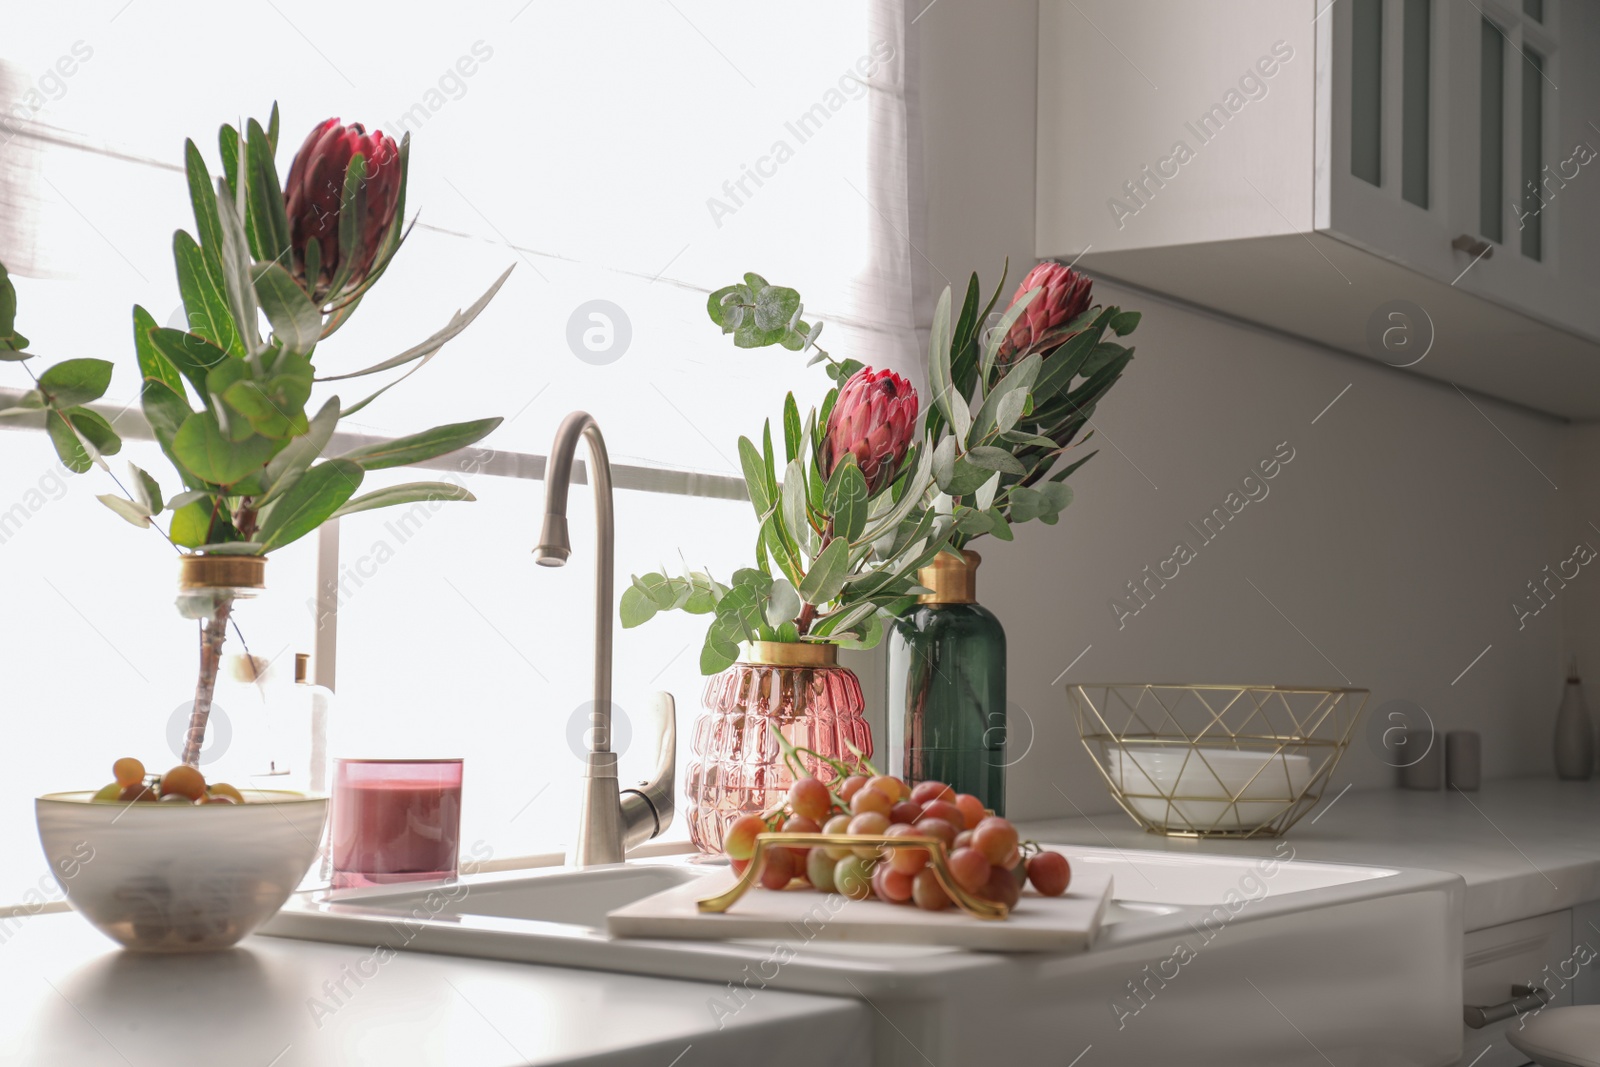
[1216, 760]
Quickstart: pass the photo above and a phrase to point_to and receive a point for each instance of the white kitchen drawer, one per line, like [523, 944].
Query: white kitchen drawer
[1534, 951]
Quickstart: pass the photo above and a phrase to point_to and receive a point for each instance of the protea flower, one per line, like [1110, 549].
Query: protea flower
[1065, 297]
[873, 419]
[313, 195]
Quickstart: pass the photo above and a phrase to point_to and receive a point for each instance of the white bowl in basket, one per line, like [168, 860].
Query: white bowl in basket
[1201, 783]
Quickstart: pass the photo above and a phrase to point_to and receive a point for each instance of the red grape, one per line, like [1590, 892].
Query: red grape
[906, 860]
[851, 786]
[995, 838]
[870, 800]
[969, 868]
[777, 868]
[943, 809]
[869, 822]
[799, 824]
[891, 885]
[1050, 873]
[926, 891]
[923, 792]
[971, 808]
[1001, 888]
[808, 797]
[839, 824]
[963, 839]
[907, 811]
[889, 786]
[739, 841]
[738, 865]
[937, 828]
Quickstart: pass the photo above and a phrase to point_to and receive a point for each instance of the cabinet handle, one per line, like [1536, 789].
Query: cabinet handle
[1473, 247]
[1524, 998]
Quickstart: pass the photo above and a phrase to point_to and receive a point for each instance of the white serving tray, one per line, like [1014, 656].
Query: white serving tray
[1062, 924]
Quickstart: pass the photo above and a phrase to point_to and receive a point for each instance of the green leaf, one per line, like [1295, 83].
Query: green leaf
[165, 410]
[10, 339]
[726, 306]
[999, 527]
[793, 509]
[983, 499]
[219, 379]
[826, 577]
[775, 307]
[1124, 323]
[995, 459]
[458, 322]
[237, 244]
[193, 355]
[93, 427]
[146, 491]
[1043, 503]
[205, 306]
[1019, 380]
[960, 415]
[1066, 362]
[76, 381]
[409, 493]
[202, 448]
[791, 429]
[1102, 356]
[134, 512]
[152, 364]
[718, 654]
[845, 499]
[191, 524]
[426, 445]
[352, 214]
[301, 451]
[755, 477]
[189, 496]
[944, 462]
[310, 502]
[635, 608]
[939, 354]
[68, 447]
[783, 603]
[296, 322]
[265, 197]
[967, 477]
[755, 281]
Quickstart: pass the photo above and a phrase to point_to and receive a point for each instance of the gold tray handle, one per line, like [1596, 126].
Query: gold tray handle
[975, 906]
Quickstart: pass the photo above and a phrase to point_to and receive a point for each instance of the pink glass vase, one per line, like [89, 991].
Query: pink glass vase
[738, 767]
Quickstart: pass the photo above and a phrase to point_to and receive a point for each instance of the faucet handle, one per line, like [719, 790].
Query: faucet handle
[648, 808]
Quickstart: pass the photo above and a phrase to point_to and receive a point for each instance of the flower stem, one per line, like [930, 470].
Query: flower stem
[212, 634]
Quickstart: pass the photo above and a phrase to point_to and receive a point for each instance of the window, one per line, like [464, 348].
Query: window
[627, 166]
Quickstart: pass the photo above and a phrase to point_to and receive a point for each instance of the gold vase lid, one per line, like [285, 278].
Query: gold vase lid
[953, 580]
[790, 653]
[199, 571]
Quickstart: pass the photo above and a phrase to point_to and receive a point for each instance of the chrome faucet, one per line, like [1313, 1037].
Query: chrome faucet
[611, 820]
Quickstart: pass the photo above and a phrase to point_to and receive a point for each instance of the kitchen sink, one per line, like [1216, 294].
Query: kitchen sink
[1282, 961]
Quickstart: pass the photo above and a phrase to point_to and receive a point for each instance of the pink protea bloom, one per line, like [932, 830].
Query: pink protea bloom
[1065, 297]
[874, 420]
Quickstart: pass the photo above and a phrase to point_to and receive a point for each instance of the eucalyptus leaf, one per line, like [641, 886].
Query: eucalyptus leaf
[191, 354]
[93, 427]
[70, 449]
[76, 381]
[983, 499]
[995, 459]
[133, 511]
[944, 462]
[1124, 323]
[301, 452]
[635, 608]
[939, 355]
[202, 448]
[783, 603]
[146, 491]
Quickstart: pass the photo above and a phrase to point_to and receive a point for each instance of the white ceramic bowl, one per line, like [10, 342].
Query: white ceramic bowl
[177, 877]
[1265, 783]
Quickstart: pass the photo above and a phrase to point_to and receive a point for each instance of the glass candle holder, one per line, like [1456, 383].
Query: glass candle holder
[395, 820]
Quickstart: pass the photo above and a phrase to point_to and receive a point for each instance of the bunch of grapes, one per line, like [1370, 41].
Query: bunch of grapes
[181, 785]
[985, 857]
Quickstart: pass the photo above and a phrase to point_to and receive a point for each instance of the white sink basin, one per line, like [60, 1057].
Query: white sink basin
[1279, 962]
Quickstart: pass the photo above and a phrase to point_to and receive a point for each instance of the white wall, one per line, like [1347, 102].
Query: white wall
[1393, 543]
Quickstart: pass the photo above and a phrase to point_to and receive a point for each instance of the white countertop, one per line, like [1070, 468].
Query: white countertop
[1525, 846]
[71, 996]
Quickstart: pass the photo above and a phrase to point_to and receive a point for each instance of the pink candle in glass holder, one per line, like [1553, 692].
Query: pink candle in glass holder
[395, 821]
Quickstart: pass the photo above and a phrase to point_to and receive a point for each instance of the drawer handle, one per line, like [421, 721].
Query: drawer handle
[1473, 247]
[1524, 998]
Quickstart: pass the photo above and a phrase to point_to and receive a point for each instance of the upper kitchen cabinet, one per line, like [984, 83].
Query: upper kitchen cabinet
[1411, 180]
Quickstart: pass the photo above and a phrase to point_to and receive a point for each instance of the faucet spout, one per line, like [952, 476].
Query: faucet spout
[555, 547]
[610, 819]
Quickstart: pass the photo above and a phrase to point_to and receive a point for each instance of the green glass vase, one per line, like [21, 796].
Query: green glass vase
[947, 686]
